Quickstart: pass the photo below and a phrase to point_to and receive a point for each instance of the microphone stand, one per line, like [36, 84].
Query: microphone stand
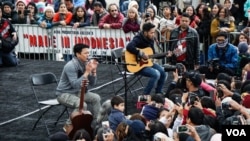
[126, 85]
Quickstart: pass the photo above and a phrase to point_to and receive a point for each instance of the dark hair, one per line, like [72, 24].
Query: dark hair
[196, 115]
[138, 116]
[76, 18]
[34, 5]
[82, 134]
[78, 48]
[237, 39]
[224, 82]
[89, 5]
[224, 34]
[227, 12]
[116, 100]
[111, 4]
[147, 26]
[224, 76]
[158, 98]
[184, 14]
[194, 12]
[99, 4]
[207, 102]
[197, 9]
[156, 126]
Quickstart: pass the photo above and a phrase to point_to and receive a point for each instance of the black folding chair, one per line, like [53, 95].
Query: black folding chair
[43, 86]
[130, 78]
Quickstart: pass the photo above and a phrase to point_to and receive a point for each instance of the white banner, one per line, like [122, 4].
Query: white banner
[34, 39]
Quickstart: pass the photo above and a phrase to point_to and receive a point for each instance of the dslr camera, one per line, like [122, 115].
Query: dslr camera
[214, 63]
[179, 66]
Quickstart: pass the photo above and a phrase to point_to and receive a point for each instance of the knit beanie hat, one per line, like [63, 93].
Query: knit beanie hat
[137, 126]
[40, 8]
[7, 3]
[243, 47]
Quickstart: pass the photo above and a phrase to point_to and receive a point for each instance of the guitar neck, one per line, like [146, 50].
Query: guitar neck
[83, 89]
[157, 55]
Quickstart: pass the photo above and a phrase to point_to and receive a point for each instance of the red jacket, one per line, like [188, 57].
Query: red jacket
[116, 23]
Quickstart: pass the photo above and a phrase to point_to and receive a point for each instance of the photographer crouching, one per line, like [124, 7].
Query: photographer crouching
[8, 41]
[222, 57]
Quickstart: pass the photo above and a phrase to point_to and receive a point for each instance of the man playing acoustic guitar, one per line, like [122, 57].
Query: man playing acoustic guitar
[139, 51]
[74, 72]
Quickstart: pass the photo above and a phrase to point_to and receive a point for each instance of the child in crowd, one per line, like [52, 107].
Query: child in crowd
[45, 21]
[116, 116]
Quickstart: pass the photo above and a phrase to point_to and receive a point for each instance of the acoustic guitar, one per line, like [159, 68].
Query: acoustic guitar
[81, 119]
[140, 63]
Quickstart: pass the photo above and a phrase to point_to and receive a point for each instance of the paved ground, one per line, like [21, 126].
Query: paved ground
[17, 100]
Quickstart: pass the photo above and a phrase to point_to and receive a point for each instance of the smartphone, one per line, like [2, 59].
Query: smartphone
[182, 129]
[105, 124]
[105, 128]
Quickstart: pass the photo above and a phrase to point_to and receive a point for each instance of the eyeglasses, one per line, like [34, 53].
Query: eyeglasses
[114, 10]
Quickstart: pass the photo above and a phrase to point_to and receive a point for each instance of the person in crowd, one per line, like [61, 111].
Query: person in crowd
[184, 45]
[150, 16]
[22, 15]
[132, 22]
[80, 18]
[89, 6]
[112, 20]
[8, 41]
[116, 115]
[134, 4]
[233, 10]
[166, 117]
[130, 130]
[215, 10]
[144, 40]
[63, 16]
[190, 135]
[32, 13]
[82, 134]
[199, 9]
[69, 5]
[77, 70]
[45, 21]
[151, 110]
[196, 119]
[9, 12]
[224, 22]
[203, 31]
[99, 12]
[40, 8]
[194, 19]
[153, 127]
[243, 57]
[103, 2]
[222, 57]
[242, 37]
[167, 23]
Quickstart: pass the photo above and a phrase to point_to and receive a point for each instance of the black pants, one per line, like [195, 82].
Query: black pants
[212, 75]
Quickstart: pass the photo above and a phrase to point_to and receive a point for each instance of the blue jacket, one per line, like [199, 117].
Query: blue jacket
[228, 60]
[115, 118]
[48, 22]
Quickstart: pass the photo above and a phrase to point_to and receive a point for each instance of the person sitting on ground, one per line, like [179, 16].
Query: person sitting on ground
[8, 41]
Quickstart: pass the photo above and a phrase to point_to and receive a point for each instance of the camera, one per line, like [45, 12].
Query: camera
[192, 97]
[214, 63]
[179, 66]
[182, 129]
[142, 98]
[219, 92]
[234, 120]
[147, 15]
[176, 99]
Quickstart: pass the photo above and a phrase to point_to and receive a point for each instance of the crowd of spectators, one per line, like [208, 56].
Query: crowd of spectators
[190, 99]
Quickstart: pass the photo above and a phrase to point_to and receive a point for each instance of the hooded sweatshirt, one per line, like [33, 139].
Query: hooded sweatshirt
[205, 132]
